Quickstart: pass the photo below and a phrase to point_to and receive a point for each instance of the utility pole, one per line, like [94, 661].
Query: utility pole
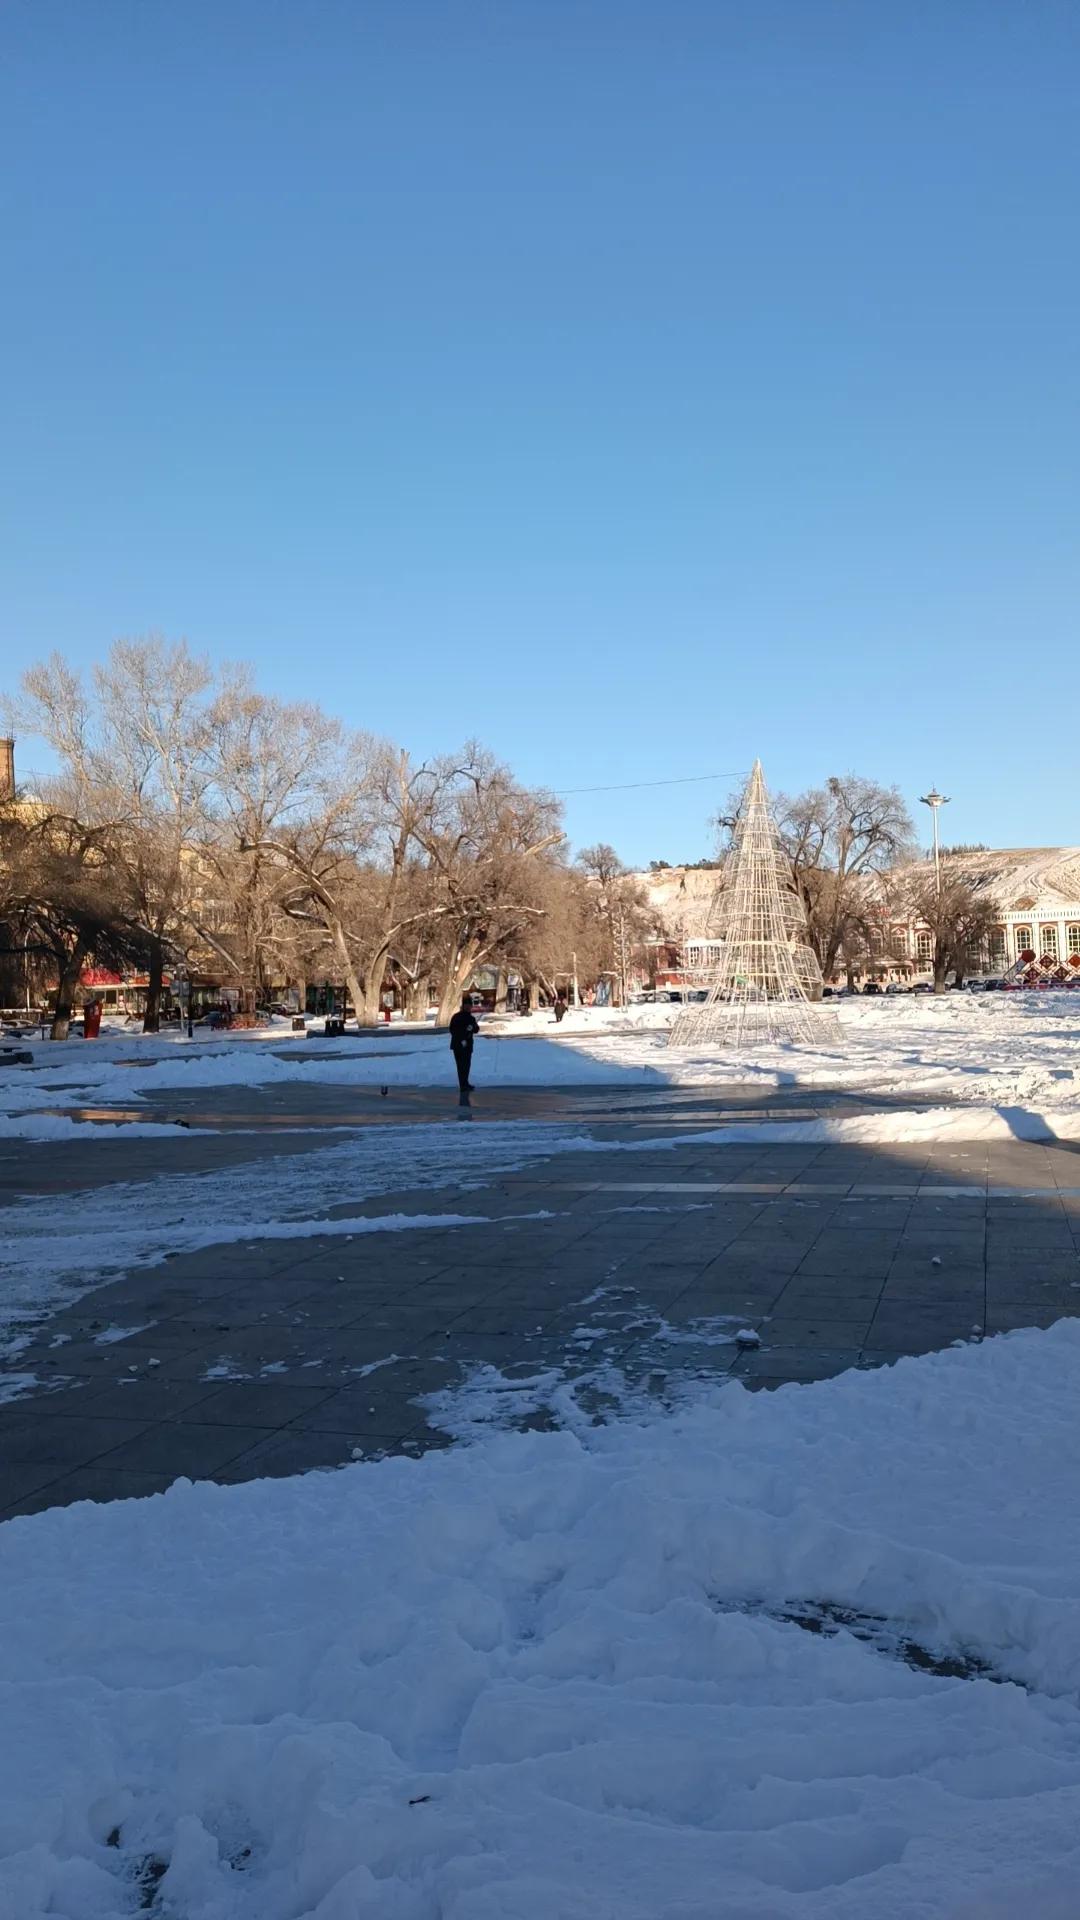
[935, 801]
[622, 957]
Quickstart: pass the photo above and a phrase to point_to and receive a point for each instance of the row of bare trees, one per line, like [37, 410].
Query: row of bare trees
[190, 813]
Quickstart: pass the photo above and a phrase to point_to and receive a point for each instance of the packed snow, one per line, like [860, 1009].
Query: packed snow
[984, 1048]
[812, 1655]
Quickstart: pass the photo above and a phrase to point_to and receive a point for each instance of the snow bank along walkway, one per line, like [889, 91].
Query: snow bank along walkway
[811, 1655]
[225, 1307]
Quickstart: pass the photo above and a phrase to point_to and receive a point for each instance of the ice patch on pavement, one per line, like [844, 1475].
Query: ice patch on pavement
[586, 1386]
[51, 1252]
[575, 1675]
[57, 1126]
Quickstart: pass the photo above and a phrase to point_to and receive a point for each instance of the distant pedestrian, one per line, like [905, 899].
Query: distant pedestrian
[560, 1008]
[463, 1030]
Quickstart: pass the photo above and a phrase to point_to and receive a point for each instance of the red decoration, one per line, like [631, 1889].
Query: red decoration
[1028, 955]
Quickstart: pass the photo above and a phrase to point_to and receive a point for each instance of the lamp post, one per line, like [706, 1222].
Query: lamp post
[935, 801]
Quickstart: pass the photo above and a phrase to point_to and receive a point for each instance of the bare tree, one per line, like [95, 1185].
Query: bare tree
[483, 839]
[837, 838]
[320, 854]
[60, 889]
[960, 916]
[623, 911]
[132, 748]
[273, 769]
[328, 823]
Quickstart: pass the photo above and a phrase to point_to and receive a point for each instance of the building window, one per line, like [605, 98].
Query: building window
[704, 953]
[924, 948]
[997, 948]
[1023, 940]
[1048, 942]
[1074, 939]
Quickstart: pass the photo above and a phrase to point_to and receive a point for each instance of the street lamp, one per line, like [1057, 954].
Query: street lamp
[935, 801]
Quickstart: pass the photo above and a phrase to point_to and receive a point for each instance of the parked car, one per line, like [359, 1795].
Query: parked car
[872, 986]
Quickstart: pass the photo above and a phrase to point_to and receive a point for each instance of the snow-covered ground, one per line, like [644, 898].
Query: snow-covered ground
[562, 1677]
[988, 1049]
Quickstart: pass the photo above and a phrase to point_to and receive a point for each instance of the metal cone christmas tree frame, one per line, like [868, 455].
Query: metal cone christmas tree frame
[767, 972]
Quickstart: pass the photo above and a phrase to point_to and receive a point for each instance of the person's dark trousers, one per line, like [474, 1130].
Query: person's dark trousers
[463, 1063]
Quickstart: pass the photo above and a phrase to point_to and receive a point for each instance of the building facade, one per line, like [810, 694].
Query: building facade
[1037, 892]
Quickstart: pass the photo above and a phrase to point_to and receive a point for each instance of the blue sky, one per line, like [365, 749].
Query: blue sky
[639, 388]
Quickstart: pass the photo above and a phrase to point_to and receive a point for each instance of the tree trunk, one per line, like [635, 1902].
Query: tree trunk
[417, 998]
[941, 968]
[70, 969]
[958, 972]
[152, 1010]
[458, 973]
[370, 1013]
[502, 988]
[341, 946]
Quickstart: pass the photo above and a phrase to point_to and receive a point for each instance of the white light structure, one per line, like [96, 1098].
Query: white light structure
[767, 970]
[935, 801]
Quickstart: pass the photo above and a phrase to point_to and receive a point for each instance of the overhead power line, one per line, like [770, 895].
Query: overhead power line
[625, 786]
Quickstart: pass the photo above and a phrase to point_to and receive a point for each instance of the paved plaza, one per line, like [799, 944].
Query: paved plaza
[277, 1356]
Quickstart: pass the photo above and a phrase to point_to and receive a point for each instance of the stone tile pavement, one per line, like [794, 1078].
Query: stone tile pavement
[280, 1356]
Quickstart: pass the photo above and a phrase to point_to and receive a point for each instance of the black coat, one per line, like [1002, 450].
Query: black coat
[462, 1029]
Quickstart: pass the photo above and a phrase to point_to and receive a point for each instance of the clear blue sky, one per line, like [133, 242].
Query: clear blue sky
[639, 387]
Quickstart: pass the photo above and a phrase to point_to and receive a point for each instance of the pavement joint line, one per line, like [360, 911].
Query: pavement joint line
[851, 1189]
[751, 1115]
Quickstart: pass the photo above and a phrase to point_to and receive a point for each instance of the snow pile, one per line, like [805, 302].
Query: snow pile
[551, 1677]
[933, 1125]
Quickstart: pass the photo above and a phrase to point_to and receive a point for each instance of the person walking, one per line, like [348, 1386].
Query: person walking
[463, 1029]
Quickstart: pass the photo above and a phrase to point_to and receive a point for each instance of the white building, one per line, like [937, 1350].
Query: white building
[1037, 890]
